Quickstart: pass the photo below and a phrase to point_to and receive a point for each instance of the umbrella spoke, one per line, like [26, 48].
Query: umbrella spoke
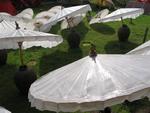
[21, 53]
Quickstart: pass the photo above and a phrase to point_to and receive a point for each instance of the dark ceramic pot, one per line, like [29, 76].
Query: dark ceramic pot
[73, 39]
[23, 78]
[123, 33]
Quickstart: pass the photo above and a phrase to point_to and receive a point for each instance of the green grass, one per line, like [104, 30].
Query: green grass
[102, 35]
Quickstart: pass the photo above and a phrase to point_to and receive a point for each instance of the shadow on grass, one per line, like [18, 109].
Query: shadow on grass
[55, 28]
[138, 105]
[81, 29]
[103, 28]
[58, 59]
[116, 47]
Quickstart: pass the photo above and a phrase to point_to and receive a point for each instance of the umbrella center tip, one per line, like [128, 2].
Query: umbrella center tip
[17, 25]
[93, 52]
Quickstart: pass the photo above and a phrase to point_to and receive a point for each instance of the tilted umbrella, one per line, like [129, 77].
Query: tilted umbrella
[120, 14]
[143, 49]
[3, 110]
[19, 35]
[92, 83]
[67, 13]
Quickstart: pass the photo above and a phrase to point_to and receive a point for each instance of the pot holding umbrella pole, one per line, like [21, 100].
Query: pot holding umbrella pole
[119, 15]
[123, 32]
[25, 76]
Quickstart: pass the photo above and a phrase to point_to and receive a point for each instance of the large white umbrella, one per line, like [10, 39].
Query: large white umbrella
[120, 14]
[19, 35]
[9, 27]
[67, 13]
[143, 49]
[3, 110]
[92, 83]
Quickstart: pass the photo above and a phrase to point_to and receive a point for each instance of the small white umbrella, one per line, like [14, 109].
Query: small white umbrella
[120, 14]
[3, 110]
[66, 13]
[20, 35]
[143, 49]
[92, 83]
[99, 15]
[8, 27]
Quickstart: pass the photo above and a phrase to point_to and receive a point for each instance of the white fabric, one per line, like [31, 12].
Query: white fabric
[44, 14]
[9, 36]
[27, 24]
[8, 17]
[89, 84]
[74, 22]
[99, 15]
[3, 110]
[143, 49]
[26, 14]
[38, 23]
[123, 13]
[67, 12]
[55, 9]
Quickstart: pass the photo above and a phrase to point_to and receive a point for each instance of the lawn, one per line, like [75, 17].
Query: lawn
[42, 60]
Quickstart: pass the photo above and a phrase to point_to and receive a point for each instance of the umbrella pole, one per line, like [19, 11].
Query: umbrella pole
[21, 53]
[122, 21]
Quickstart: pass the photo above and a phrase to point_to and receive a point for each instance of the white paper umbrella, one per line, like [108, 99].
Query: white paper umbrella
[143, 49]
[89, 84]
[20, 35]
[68, 12]
[9, 27]
[99, 15]
[3, 110]
[123, 13]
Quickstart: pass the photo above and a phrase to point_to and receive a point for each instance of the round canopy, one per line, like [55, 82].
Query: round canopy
[92, 84]
[9, 35]
[123, 13]
[67, 12]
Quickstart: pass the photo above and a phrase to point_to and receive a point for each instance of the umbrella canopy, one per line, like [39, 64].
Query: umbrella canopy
[20, 35]
[9, 37]
[67, 12]
[99, 15]
[3, 110]
[92, 84]
[123, 13]
[143, 49]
